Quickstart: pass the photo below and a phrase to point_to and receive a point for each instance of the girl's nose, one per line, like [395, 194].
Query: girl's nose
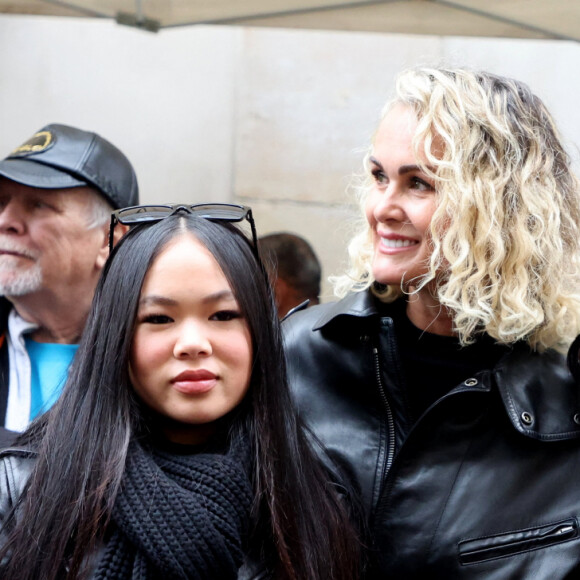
[192, 341]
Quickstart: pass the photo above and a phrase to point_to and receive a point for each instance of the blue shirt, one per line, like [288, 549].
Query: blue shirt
[49, 364]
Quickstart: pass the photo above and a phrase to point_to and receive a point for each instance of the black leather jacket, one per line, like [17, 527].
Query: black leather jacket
[486, 484]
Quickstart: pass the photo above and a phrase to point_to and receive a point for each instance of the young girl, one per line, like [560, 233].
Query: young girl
[174, 451]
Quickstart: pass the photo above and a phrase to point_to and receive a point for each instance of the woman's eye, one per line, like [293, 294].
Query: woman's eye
[225, 315]
[420, 184]
[379, 176]
[156, 319]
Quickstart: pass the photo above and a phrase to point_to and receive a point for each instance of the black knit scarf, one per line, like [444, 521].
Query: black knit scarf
[178, 516]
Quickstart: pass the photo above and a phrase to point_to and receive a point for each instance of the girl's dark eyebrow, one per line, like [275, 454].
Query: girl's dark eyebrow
[221, 295]
[155, 299]
[165, 301]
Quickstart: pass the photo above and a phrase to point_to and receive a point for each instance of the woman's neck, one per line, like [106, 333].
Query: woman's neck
[428, 314]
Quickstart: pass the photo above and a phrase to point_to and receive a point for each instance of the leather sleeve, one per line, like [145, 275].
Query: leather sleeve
[15, 468]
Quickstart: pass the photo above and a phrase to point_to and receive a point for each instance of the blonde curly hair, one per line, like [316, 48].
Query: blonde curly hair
[506, 231]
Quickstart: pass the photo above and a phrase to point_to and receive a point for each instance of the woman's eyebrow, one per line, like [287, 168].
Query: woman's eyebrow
[409, 169]
[403, 169]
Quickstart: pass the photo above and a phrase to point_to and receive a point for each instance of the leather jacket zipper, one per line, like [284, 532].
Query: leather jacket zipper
[516, 542]
[389, 413]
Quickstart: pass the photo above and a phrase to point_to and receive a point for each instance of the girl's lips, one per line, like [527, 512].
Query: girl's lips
[194, 382]
[191, 375]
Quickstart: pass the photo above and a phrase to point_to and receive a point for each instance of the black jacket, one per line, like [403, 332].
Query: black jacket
[5, 307]
[486, 484]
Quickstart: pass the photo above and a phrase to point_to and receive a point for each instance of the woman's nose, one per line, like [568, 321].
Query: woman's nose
[389, 205]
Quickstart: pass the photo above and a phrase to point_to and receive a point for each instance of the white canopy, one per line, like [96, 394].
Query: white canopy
[540, 19]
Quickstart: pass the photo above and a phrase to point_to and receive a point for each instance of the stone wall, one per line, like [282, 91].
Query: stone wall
[276, 119]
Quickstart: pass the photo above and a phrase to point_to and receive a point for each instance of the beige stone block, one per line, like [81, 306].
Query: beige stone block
[328, 230]
[308, 104]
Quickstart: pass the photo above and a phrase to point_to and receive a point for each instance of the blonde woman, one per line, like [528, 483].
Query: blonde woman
[438, 384]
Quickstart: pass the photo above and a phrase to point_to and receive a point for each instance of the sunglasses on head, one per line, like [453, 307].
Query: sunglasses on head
[140, 214]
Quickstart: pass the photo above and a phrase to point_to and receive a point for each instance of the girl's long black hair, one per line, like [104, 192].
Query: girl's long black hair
[301, 529]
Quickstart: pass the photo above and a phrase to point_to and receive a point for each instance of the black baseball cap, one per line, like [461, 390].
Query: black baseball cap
[60, 156]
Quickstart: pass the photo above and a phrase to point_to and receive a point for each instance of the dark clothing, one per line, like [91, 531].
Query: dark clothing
[6, 437]
[5, 307]
[162, 495]
[482, 483]
[180, 516]
[439, 361]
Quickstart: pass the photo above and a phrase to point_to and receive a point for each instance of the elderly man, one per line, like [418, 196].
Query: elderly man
[57, 192]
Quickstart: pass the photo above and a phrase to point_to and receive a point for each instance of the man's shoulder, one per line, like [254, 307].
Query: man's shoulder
[5, 307]
[7, 437]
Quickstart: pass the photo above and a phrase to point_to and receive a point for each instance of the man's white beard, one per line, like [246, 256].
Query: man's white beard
[19, 282]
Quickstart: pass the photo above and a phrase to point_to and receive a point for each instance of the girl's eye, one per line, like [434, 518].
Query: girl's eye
[156, 319]
[225, 315]
[379, 176]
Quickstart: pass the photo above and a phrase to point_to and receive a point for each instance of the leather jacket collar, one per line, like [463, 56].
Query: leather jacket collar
[540, 396]
[359, 304]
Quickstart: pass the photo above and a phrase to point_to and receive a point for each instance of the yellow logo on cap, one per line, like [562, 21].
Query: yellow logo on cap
[38, 142]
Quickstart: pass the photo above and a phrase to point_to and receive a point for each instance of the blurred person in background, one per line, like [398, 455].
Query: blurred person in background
[294, 270]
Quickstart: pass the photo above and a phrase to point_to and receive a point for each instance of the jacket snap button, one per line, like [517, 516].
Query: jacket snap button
[527, 418]
[471, 382]
[577, 418]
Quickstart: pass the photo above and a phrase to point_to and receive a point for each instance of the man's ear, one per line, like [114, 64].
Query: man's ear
[118, 233]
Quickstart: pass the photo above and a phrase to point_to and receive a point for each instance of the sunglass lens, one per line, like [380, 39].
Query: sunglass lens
[218, 211]
[143, 213]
